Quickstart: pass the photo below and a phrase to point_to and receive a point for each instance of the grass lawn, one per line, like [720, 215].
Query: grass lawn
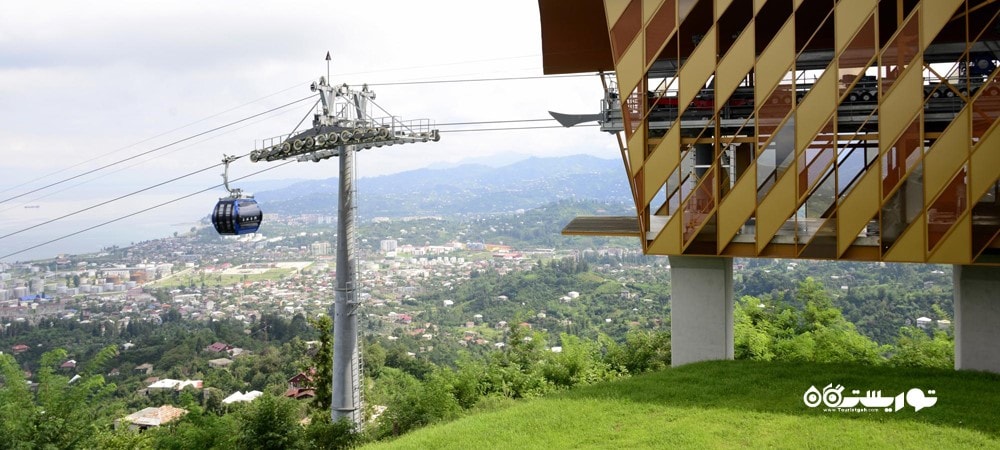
[212, 280]
[735, 404]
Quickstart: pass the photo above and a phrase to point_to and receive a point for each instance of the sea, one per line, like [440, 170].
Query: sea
[46, 229]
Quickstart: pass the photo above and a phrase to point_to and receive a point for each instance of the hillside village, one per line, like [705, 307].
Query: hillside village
[431, 289]
[207, 282]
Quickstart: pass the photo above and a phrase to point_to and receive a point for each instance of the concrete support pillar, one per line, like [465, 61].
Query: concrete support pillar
[977, 318]
[701, 309]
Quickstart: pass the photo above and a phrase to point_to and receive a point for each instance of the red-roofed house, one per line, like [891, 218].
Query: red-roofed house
[301, 385]
[218, 347]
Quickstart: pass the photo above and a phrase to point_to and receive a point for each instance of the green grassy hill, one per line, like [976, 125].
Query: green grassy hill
[735, 404]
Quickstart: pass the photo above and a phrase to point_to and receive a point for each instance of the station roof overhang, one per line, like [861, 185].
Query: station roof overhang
[625, 226]
[574, 36]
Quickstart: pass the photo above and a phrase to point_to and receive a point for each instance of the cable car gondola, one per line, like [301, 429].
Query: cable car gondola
[238, 213]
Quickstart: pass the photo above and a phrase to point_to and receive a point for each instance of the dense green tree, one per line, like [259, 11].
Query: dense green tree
[61, 412]
[322, 361]
[374, 357]
[578, 362]
[643, 351]
[914, 348]
[123, 439]
[198, 429]
[765, 330]
[269, 422]
[418, 404]
[753, 330]
[323, 433]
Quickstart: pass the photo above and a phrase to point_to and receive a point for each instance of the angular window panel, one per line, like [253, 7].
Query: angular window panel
[695, 25]
[663, 86]
[943, 88]
[626, 28]
[659, 201]
[685, 6]
[982, 76]
[733, 163]
[771, 17]
[815, 20]
[854, 86]
[859, 52]
[813, 165]
[766, 172]
[858, 117]
[854, 158]
[732, 23]
[705, 242]
[890, 17]
[704, 154]
[815, 159]
[813, 30]
[697, 209]
[944, 76]
[662, 99]
[659, 28]
[667, 201]
[947, 209]
[774, 109]
[900, 53]
[902, 208]
[776, 158]
[819, 205]
[738, 112]
[986, 219]
[887, 20]
[690, 172]
[633, 112]
[985, 106]
[823, 242]
[901, 157]
[983, 17]
[702, 107]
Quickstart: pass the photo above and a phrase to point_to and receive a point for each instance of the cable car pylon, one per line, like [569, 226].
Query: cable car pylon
[345, 126]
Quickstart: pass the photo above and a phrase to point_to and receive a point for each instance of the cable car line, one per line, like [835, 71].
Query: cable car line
[297, 85]
[514, 128]
[98, 205]
[475, 80]
[486, 122]
[141, 211]
[216, 187]
[149, 138]
[225, 162]
[239, 121]
[156, 149]
[66, 188]
[163, 183]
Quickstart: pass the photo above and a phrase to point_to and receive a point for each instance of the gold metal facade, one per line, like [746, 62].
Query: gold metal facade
[823, 129]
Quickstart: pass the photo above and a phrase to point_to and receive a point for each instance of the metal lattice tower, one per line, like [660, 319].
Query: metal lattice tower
[344, 126]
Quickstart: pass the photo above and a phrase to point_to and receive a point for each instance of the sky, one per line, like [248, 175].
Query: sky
[86, 84]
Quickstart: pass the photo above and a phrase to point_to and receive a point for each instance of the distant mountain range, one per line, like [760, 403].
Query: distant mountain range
[465, 189]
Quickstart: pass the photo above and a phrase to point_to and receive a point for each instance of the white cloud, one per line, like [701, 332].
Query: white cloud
[81, 79]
